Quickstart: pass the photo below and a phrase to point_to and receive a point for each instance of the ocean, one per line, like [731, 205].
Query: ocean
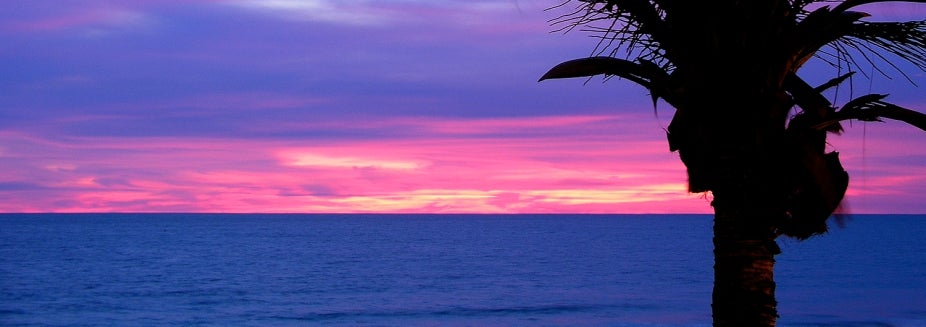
[434, 270]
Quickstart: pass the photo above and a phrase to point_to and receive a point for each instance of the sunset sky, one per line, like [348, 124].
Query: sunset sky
[358, 106]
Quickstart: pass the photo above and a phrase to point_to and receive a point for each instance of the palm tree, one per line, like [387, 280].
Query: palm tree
[730, 70]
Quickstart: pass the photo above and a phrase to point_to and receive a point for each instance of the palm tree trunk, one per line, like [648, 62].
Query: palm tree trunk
[744, 250]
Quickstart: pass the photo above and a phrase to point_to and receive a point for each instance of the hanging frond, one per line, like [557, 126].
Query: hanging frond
[819, 28]
[820, 190]
[855, 41]
[906, 40]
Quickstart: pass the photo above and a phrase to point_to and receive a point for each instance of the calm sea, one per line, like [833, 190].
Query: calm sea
[434, 270]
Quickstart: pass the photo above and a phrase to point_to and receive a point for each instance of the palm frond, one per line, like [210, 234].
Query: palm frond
[872, 107]
[592, 66]
[646, 73]
[819, 28]
[856, 41]
[632, 26]
[815, 107]
[906, 40]
[833, 82]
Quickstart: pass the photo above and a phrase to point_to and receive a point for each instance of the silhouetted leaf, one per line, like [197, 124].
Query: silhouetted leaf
[592, 66]
[871, 108]
[833, 82]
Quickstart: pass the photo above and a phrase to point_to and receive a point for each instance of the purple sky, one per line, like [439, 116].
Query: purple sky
[357, 106]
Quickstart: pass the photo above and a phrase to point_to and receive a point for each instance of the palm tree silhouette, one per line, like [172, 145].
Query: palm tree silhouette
[729, 68]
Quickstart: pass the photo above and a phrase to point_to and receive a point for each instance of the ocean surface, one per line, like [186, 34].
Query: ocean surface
[434, 270]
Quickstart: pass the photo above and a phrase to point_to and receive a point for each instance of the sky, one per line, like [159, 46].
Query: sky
[399, 106]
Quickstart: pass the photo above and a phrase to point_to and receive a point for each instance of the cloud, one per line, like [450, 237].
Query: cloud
[310, 158]
[90, 21]
[378, 13]
[341, 12]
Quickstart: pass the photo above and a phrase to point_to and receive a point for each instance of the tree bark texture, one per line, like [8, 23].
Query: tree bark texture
[744, 256]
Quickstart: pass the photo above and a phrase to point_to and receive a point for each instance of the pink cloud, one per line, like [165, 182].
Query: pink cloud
[419, 175]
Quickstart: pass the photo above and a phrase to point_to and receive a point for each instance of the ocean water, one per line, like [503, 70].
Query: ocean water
[434, 270]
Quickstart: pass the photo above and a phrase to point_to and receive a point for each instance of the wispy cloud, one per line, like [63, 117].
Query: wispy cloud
[343, 12]
[372, 13]
[88, 21]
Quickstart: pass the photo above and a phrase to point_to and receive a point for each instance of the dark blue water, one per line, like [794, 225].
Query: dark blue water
[434, 270]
